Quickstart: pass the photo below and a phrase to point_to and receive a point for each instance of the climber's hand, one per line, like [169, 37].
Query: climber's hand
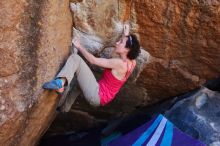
[126, 29]
[76, 43]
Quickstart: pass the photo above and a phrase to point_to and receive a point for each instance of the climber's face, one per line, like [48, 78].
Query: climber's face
[120, 45]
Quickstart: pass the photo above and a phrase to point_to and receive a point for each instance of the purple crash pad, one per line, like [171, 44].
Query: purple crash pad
[157, 132]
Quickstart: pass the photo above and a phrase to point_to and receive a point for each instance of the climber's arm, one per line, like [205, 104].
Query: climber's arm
[101, 62]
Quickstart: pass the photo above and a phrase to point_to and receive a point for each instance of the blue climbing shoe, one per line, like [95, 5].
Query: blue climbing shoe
[53, 85]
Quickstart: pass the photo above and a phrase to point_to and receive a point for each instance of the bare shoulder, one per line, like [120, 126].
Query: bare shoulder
[117, 60]
[108, 63]
[118, 63]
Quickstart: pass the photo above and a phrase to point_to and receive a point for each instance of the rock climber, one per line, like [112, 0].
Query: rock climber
[117, 70]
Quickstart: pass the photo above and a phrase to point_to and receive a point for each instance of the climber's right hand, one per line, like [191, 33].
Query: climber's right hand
[76, 43]
[126, 29]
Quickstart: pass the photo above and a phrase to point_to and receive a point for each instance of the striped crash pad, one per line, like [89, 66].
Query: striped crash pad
[157, 132]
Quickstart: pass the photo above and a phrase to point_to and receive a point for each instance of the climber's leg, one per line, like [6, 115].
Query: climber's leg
[85, 77]
[69, 69]
[64, 77]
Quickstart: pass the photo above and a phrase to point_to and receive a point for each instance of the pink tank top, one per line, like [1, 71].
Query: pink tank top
[109, 85]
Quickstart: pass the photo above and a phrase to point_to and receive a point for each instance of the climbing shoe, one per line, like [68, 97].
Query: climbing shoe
[53, 85]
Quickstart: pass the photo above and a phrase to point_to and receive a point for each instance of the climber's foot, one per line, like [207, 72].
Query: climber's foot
[56, 85]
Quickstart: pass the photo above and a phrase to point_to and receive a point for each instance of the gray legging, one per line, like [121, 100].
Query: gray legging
[85, 77]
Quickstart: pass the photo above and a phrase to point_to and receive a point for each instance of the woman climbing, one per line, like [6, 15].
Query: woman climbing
[116, 73]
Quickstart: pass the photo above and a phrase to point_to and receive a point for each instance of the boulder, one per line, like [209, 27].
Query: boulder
[35, 36]
[198, 116]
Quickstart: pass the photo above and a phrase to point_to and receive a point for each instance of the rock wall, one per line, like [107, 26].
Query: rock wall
[35, 36]
[184, 38]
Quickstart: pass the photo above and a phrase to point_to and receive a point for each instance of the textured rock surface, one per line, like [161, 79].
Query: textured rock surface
[34, 40]
[184, 38]
[201, 117]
